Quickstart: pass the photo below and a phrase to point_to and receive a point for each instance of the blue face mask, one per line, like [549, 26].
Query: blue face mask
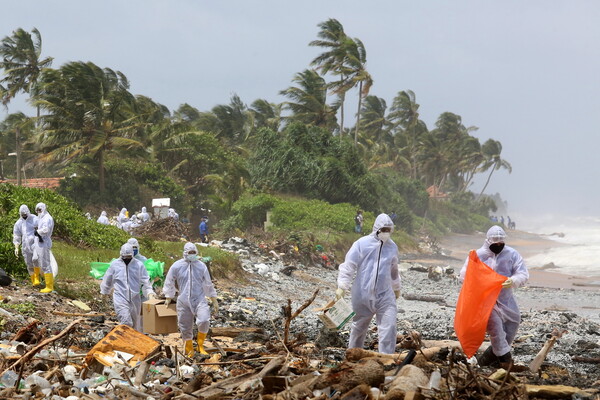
[135, 252]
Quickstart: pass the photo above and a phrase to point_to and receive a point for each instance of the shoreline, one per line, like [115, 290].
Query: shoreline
[457, 247]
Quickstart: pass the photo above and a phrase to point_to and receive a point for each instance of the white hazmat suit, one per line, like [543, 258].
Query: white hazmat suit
[144, 216]
[102, 219]
[136, 250]
[505, 317]
[375, 263]
[43, 245]
[122, 218]
[127, 279]
[189, 276]
[24, 236]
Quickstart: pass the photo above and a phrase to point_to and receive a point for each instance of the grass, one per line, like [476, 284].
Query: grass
[74, 281]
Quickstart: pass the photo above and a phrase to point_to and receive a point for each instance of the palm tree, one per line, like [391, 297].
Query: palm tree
[333, 60]
[491, 150]
[17, 129]
[375, 122]
[266, 115]
[309, 100]
[404, 119]
[21, 63]
[90, 113]
[356, 63]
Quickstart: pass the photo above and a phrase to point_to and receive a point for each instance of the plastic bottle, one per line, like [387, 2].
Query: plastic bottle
[434, 380]
[38, 381]
[9, 378]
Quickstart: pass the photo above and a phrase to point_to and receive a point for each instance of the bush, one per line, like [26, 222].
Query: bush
[250, 210]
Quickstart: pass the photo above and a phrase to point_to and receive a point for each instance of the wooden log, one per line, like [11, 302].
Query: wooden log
[590, 360]
[420, 297]
[349, 375]
[408, 380]
[356, 354]
[197, 382]
[233, 332]
[229, 384]
[553, 391]
[360, 392]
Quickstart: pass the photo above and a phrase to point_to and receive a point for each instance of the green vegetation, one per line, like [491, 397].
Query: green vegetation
[299, 159]
[26, 308]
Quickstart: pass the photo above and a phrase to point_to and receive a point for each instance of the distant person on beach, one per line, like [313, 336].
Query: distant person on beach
[203, 227]
[24, 236]
[122, 218]
[374, 261]
[505, 317]
[358, 221]
[143, 216]
[394, 217]
[102, 219]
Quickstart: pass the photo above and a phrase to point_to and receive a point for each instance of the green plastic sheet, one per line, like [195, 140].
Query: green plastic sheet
[156, 269]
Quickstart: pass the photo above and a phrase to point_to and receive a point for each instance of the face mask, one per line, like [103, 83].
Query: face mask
[135, 252]
[126, 260]
[191, 257]
[384, 236]
[24, 216]
[496, 248]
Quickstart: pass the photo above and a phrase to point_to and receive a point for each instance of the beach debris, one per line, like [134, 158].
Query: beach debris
[556, 334]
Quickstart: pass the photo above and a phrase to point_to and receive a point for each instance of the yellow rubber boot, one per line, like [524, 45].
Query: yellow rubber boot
[200, 338]
[49, 278]
[189, 348]
[35, 278]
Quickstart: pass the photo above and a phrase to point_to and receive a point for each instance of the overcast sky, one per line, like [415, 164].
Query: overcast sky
[525, 72]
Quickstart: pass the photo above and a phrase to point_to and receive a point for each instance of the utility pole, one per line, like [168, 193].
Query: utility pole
[18, 151]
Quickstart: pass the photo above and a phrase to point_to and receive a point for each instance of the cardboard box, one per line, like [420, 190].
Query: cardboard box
[158, 318]
[336, 314]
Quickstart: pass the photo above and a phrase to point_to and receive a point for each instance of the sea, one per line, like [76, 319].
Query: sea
[580, 256]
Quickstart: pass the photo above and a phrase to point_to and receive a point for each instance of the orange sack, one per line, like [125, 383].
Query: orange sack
[476, 300]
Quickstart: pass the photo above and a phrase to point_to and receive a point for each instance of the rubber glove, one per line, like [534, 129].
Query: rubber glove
[339, 293]
[397, 293]
[16, 250]
[168, 301]
[151, 296]
[215, 305]
[507, 283]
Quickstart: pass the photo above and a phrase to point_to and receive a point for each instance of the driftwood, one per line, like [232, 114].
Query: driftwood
[358, 354]
[408, 380]
[589, 360]
[227, 385]
[348, 375]
[287, 311]
[553, 391]
[27, 333]
[233, 332]
[535, 365]
[27, 356]
[421, 297]
[360, 392]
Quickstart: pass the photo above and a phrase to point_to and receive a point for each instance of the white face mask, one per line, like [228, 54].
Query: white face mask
[191, 257]
[384, 236]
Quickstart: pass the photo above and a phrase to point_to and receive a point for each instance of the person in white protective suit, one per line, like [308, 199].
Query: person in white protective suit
[24, 236]
[173, 214]
[190, 277]
[122, 218]
[374, 261]
[43, 245]
[505, 317]
[126, 277]
[136, 250]
[144, 216]
[102, 219]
